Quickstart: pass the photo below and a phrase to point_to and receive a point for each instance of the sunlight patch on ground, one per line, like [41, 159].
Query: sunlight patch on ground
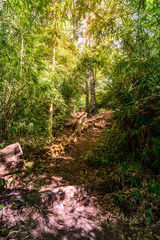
[73, 210]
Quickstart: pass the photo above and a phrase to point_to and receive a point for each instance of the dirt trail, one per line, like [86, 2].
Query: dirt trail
[57, 202]
[69, 164]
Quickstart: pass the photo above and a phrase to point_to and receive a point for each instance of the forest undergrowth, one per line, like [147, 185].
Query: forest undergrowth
[132, 180]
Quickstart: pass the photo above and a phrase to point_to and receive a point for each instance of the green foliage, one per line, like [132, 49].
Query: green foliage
[23, 92]
[120, 197]
[138, 193]
[134, 90]
[153, 189]
[3, 182]
[26, 74]
[98, 158]
[1, 207]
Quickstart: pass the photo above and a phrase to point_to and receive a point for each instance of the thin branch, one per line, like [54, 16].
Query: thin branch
[11, 233]
[7, 174]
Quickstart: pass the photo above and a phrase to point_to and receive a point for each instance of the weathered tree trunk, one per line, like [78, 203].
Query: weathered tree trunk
[92, 89]
[51, 105]
[9, 159]
[91, 74]
[87, 96]
[53, 68]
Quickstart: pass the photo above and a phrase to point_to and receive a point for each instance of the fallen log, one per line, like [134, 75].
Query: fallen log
[9, 159]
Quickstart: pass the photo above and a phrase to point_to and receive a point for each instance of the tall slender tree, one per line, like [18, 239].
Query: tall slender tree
[53, 17]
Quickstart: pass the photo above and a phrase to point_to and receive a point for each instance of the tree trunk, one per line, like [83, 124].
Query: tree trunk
[53, 68]
[87, 96]
[92, 89]
[54, 50]
[91, 73]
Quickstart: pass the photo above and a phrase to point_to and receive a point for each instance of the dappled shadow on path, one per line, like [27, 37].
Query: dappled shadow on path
[53, 201]
[74, 217]
[64, 213]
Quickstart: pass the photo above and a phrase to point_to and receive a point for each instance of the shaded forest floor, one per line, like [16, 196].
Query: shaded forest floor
[60, 196]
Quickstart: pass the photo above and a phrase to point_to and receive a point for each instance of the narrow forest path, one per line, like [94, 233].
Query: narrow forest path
[57, 200]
